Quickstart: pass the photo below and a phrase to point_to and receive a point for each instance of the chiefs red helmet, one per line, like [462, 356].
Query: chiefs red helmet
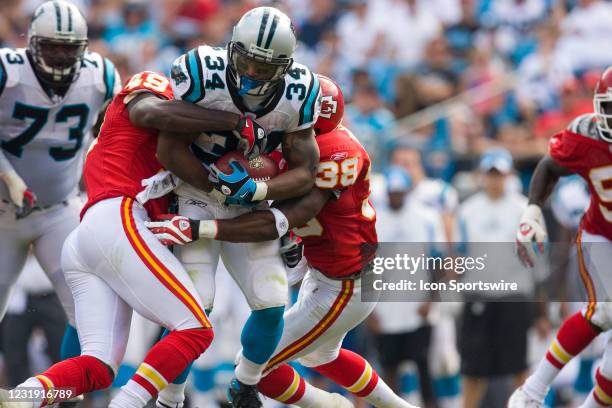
[332, 106]
[602, 102]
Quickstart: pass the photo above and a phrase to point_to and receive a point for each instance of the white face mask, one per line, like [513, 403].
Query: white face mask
[604, 119]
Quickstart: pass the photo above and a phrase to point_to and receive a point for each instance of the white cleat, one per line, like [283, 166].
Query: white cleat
[161, 403]
[520, 399]
[6, 402]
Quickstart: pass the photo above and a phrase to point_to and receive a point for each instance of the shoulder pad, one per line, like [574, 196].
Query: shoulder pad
[12, 61]
[585, 125]
[147, 81]
[303, 92]
[103, 74]
[194, 72]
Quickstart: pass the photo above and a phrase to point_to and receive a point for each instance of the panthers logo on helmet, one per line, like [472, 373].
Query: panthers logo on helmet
[329, 106]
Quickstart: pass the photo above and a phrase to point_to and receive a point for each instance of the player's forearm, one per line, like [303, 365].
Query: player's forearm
[264, 225]
[180, 116]
[5, 165]
[174, 154]
[301, 152]
[293, 183]
[544, 179]
[252, 227]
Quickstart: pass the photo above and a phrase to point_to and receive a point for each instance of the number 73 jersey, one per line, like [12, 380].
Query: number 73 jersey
[341, 239]
[580, 149]
[43, 137]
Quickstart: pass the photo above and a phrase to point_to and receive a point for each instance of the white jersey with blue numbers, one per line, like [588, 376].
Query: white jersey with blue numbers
[201, 76]
[44, 137]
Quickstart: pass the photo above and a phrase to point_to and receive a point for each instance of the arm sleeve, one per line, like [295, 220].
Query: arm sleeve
[311, 104]
[187, 77]
[112, 80]
[147, 81]
[565, 148]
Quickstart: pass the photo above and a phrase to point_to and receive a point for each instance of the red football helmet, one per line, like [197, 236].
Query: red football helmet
[332, 106]
[602, 102]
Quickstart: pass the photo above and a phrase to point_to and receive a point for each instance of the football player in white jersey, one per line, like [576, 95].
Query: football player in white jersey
[50, 95]
[256, 77]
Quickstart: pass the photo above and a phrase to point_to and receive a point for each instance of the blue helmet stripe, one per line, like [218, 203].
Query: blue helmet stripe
[311, 101]
[109, 78]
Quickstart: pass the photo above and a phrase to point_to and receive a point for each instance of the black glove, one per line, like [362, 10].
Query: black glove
[292, 249]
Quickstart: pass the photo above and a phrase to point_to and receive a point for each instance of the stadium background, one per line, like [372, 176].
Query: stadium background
[449, 78]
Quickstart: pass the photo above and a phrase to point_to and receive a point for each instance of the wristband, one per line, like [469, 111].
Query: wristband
[282, 224]
[261, 191]
[207, 229]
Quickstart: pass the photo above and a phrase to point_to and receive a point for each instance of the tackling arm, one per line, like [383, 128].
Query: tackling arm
[174, 154]
[261, 225]
[301, 152]
[545, 177]
[149, 111]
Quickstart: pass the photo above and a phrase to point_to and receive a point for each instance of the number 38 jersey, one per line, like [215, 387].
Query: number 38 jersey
[202, 77]
[580, 149]
[43, 137]
[342, 238]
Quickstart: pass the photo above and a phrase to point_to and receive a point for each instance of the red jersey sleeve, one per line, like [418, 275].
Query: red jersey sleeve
[147, 81]
[570, 150]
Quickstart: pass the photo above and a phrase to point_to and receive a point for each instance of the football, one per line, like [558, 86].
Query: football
[260, 168]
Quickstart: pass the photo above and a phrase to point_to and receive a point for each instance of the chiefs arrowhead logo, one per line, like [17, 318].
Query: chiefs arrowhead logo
[328, 106]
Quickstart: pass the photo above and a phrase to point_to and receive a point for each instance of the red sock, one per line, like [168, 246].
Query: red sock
[283, 384]
[170, 356]
[351, 371]
[79, 374]
[575, 334]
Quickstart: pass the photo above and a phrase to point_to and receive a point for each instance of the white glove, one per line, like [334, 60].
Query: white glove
[532, 236]
[23, 198]
[158, 186]
[16, 186]
[173, 229]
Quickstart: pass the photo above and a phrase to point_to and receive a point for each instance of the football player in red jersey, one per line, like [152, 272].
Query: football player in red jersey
[583, 148]
[336, 222]
[114, 264]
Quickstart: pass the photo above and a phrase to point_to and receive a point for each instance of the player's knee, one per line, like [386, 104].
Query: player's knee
[602, 316]
[318, 358]
[268, 320]
[197, 340]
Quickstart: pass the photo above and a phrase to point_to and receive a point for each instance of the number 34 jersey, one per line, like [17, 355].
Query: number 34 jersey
[580, 149]
[201, 76]
[43, 137]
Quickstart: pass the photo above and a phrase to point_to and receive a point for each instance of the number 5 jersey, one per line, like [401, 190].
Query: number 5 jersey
[580, 149]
